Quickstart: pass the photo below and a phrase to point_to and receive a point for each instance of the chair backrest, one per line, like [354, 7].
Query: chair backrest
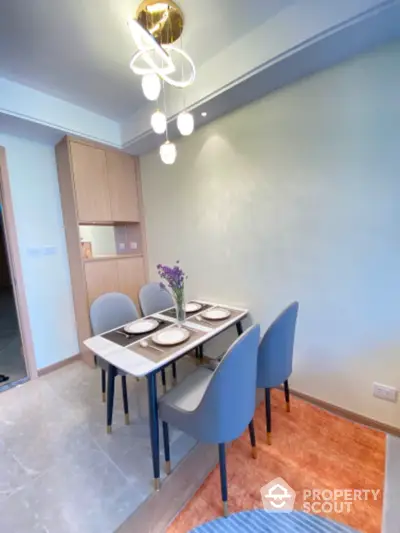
[275, 355]
[228, 404]
[154, 299]
[111, 310]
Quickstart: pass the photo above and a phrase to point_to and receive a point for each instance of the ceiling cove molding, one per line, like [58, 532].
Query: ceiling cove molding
[330, 22]
[29, 104]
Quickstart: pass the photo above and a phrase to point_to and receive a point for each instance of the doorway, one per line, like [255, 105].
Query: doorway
[12, 363]
[17, 362]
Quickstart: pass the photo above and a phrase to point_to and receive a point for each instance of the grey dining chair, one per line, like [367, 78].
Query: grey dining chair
[215, 407]
[153, 299]
[110, 311]
[275, 358]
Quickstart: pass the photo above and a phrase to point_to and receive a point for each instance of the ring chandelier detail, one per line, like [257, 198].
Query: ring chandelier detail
[157, 26]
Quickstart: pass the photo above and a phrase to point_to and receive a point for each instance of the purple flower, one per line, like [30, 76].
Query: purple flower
[174, 277]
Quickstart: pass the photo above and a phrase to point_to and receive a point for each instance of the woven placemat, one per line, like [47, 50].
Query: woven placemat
[172, 313]
[214, 324]
[119, 336]
[167, 351]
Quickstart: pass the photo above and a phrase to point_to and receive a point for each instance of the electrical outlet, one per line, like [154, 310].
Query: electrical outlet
[133, 245]
[384, 392]
[121, 246]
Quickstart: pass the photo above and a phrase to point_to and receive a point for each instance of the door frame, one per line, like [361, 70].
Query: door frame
[10, 233]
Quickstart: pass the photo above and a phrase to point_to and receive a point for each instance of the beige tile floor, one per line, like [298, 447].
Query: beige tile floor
[59, 471]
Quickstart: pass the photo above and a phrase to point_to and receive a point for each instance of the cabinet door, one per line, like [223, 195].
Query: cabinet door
[131, 277]
[101, 277]
[121, 170]
[90, 182]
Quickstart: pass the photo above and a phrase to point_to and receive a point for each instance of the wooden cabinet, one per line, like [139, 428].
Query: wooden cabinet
[124, 275]
[131, 276]
[90, 183]
[121, 171]
[101, 277]
[100, 185]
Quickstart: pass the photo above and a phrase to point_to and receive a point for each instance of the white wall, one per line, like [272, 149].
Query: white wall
[36, 200]
[297, 197]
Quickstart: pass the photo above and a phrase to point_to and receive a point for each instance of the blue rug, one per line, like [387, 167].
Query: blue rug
[260, 521]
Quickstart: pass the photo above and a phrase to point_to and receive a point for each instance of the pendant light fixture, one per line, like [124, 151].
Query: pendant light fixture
[168, 153]
[151, 86]
[185, 123]
[159, 122]
[159, 24]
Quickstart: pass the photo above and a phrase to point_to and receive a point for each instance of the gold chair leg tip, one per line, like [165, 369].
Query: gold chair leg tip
[127, 421]
[254, 452]
[156, 483]
[288, 407]
[225, 509]
[167, 467]
[109, 430]
[269, 439]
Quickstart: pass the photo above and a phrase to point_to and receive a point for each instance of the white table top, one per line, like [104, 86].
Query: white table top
[133, 363]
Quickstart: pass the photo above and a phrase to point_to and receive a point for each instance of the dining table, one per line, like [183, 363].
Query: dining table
[141, 357]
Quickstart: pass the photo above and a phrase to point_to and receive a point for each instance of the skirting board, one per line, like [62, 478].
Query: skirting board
[60, 364]
[159, 510]
[350, 415]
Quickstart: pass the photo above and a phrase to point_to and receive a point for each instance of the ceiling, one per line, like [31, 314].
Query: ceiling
[79, 50]
[64, 64]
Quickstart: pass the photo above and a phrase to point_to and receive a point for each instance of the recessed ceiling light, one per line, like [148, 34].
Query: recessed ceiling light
[204, 114]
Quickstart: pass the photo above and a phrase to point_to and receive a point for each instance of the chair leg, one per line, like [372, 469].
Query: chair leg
[268, 414]
[112, 372]
[287, 396]
[125, 399]
[174, 373]
[252, 434]
[166, 448]
[164, 380]
[201, 351]
[103, 385]
[224, 482]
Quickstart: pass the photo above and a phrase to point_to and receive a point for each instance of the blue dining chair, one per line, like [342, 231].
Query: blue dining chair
[153, 299]
[275, 358]
[215, 407]
[110, 311]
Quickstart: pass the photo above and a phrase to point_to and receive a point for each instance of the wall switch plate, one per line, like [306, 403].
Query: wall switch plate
[49, 250]
[384, 392]
[121, 246]
[133, 245]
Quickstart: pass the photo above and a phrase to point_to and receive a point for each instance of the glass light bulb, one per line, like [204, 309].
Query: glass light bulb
[158, 122]
[185, 123]
[151, 86]
[168, 153]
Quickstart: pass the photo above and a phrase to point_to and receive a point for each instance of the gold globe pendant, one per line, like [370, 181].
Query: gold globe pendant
[163, 19]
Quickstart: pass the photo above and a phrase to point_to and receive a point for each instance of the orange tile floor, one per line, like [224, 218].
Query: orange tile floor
[311, 449]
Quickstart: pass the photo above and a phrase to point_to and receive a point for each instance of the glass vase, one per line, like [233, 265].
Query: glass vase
[180, 311]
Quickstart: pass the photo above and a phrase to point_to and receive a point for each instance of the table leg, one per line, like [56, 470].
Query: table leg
[154, 433]
[112, 372]
[239, 328]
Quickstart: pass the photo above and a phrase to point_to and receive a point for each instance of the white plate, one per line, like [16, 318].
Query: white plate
[218, 313]
[192, 307]
[171, 336]
[142, 326]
